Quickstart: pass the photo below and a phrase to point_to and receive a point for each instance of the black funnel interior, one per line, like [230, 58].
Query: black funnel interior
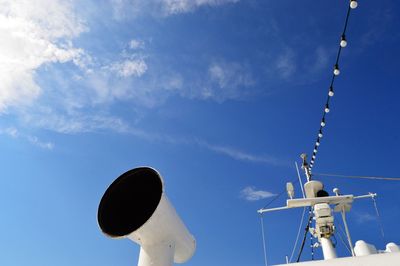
[129, 201]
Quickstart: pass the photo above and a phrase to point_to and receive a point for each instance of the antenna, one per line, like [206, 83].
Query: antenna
[305, 166]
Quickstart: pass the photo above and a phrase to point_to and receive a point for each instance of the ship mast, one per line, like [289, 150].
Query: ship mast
[322, 207]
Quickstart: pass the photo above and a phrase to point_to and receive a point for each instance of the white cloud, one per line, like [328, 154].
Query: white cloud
[10, 131]
[44, 145]
[171, 7]
[365, 217]
[322, 59]
[16, 134]
[32, 34]
[72, 123]
[130, 67]
[251, 194]
[241, 155]
[286, 64]
[136, 44]
[225, 80]
[131, 8]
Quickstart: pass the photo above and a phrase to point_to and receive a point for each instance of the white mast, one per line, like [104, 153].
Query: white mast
[320, 202]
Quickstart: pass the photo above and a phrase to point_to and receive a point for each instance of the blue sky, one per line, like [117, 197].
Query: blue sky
[221, 96]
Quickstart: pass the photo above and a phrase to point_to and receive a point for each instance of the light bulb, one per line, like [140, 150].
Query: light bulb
[312, 161]
[331, 93]
[336, 70]
[320, 134]
[323, 122]
[313, 157]
[353, 4]
[315, 151]
[343, 41]
[327, 108]
[317, 143]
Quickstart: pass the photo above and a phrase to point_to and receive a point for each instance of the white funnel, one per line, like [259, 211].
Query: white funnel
[135, 206]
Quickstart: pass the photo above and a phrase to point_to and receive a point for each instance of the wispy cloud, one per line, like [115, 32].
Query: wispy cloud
[243, 156]
[171, 7]
[227, 80]
[129, 67]
[251, 194]
[36, 141]
[32, 36]
[128, 8]
[286, 64]
[74, 123]
[363, 217]
[16, 134]
[321, 59]
[136, 44]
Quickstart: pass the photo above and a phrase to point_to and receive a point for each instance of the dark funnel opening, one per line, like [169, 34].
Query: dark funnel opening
[129, 201]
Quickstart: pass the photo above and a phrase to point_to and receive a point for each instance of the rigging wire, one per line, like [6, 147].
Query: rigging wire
[279, 195]
[305, 234]
[379, 218]
[340, 234]
[298, 234]
[336, 72]
[359, 177]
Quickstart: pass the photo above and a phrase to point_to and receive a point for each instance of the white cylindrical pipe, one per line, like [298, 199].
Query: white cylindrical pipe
[135, 206]
[327, 249]
[166, 225]
[157, 255]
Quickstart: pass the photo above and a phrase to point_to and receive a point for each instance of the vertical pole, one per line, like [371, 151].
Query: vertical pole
[263, 239]
[347, 232]
[327, 249]
[301, 183]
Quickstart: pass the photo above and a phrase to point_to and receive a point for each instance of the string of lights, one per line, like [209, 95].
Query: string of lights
[336, 71]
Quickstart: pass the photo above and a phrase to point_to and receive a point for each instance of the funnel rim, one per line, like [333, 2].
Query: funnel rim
[126, 206]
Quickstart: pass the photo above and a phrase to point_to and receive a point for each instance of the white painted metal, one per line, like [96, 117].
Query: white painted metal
[327, 248]
[370, 195]
[272, 209]
[346, 228]
[392, 247]
[324, 229]
[293, 203]
[163, 238]
[157, 255]
[384, 259]
[362, 248]
[290, 190]
[301, 183]
[164, 228]
[263, 239]
[296, 203]
[312, 187]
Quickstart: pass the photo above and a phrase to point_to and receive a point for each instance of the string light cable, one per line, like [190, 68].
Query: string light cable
[359, 177]
[336, 72]
[306, 231]
[298, 235]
